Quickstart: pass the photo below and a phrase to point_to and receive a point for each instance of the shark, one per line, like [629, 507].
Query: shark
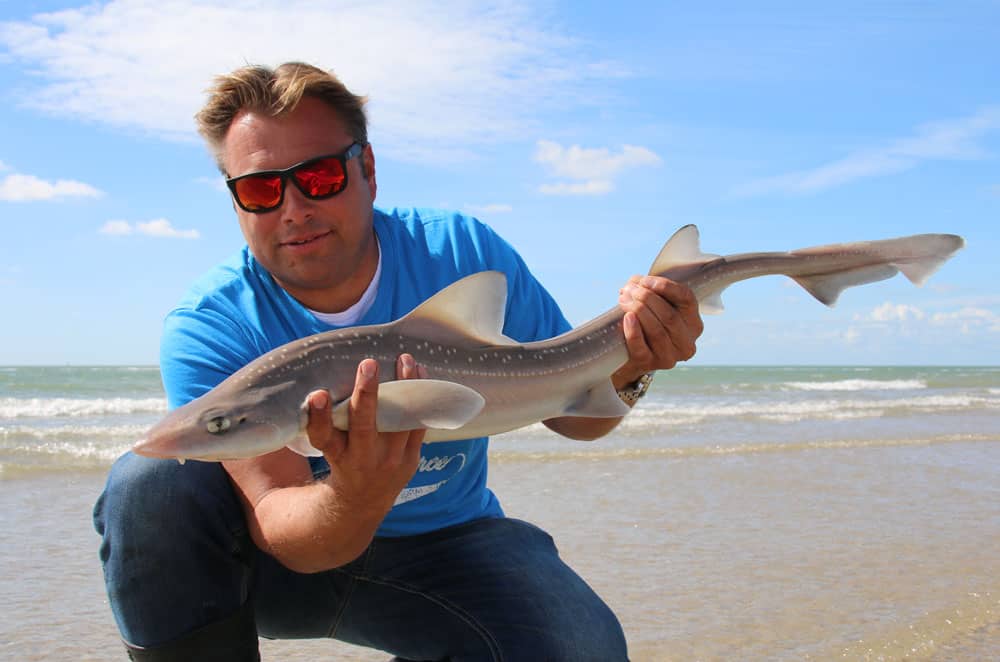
[480, 382]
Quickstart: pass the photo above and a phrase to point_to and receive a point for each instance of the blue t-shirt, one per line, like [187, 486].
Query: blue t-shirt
[237, 312]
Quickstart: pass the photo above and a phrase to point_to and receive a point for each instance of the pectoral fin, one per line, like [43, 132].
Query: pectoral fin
[302, 446]
[411, 404]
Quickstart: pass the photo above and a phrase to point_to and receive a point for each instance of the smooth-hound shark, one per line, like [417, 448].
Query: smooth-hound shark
[481, 382]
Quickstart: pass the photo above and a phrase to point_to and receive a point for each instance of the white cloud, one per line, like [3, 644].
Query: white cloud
[969, 320]
[217, 183]
[906, 319]
[489, 209]
[590, 187]
[9, 275]
[896, 312]
[443, 76]
[28, 188]
[116, 228]
[938, 141]
[591, 170]
[159, 227]
[588, 163]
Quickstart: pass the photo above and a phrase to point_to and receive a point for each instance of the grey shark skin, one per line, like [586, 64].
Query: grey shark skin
[480, 382]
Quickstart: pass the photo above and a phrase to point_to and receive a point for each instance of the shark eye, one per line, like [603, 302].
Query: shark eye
[217, 425]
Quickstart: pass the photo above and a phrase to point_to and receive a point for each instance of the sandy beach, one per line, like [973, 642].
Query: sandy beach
[872, 538]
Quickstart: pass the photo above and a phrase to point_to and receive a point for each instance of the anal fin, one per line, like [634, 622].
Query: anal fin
[711, 304]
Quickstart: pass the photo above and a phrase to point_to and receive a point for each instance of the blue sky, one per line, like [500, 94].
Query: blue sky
[585, 133]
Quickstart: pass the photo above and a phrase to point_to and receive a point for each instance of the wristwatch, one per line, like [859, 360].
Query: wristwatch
[631, 393]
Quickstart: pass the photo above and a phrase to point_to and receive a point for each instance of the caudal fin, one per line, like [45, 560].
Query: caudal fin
[918, 270]
[917, 257]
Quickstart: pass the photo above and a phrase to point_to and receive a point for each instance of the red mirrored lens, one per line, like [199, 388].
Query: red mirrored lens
[262, 192]
[320, 178]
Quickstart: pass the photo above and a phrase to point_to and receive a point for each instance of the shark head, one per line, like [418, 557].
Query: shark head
[227, 423]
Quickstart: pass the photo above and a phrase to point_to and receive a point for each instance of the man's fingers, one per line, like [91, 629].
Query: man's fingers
[677, 295]
[660, 339]
[404, 447]
[681, 298]
[411, 450]
[666, 329]
[319, 428]
[638, 350]
[668, 315]
[364, 399]
[406, 367]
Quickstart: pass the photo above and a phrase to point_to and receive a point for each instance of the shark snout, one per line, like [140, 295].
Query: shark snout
[155, 445]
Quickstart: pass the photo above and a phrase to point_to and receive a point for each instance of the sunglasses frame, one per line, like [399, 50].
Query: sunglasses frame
[288, 173]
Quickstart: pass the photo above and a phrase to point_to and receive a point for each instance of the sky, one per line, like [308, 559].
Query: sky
[585, 133]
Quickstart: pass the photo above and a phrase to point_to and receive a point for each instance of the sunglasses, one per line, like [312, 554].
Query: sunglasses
[318, 178]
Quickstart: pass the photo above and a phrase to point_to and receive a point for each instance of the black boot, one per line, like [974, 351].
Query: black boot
[233, 639]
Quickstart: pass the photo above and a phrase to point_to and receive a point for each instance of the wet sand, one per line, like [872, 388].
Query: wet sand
[884, 551]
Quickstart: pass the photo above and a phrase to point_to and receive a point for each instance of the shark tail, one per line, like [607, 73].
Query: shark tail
[916, 257]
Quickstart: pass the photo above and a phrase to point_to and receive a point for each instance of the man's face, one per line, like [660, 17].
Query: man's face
[320, 251]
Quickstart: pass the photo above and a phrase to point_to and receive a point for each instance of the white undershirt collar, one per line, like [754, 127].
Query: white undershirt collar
[353, 314]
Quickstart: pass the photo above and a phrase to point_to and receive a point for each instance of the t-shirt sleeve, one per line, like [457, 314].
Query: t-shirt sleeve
[532, 313]
[198, 350]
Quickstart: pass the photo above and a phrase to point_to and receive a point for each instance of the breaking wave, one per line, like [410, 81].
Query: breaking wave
[510, 452]
[11, 408]
[658, 414]
[859, 385]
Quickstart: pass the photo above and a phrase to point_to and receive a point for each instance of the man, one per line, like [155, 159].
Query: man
[384, 543]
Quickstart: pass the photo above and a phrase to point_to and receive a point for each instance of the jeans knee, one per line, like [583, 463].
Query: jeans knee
[594, 635]
[174, 547]
[152, 498]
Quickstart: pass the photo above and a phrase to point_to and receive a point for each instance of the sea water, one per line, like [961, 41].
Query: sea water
[738, 512]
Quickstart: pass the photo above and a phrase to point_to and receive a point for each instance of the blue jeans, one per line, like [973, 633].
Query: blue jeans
[177, 556]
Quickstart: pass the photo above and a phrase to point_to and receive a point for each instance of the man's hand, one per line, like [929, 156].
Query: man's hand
[311, 525]
[661, 326]
[368, 470]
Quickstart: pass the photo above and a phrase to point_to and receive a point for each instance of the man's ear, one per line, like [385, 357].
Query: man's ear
[368, 168]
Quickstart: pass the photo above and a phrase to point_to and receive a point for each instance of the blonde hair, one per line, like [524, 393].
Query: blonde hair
[276, 92]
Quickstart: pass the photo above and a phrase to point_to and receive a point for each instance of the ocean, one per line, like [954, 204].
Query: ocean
[757, 513]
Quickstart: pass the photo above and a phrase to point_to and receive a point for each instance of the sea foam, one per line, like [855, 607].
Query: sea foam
[859, 385]
[11, 408]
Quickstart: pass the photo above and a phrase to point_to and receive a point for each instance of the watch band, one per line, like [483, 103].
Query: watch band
[631, 393]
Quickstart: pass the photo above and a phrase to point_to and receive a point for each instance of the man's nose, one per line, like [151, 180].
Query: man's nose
[296, 207]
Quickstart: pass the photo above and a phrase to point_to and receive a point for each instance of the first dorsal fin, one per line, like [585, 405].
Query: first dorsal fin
[472, 309]
[684, 247]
